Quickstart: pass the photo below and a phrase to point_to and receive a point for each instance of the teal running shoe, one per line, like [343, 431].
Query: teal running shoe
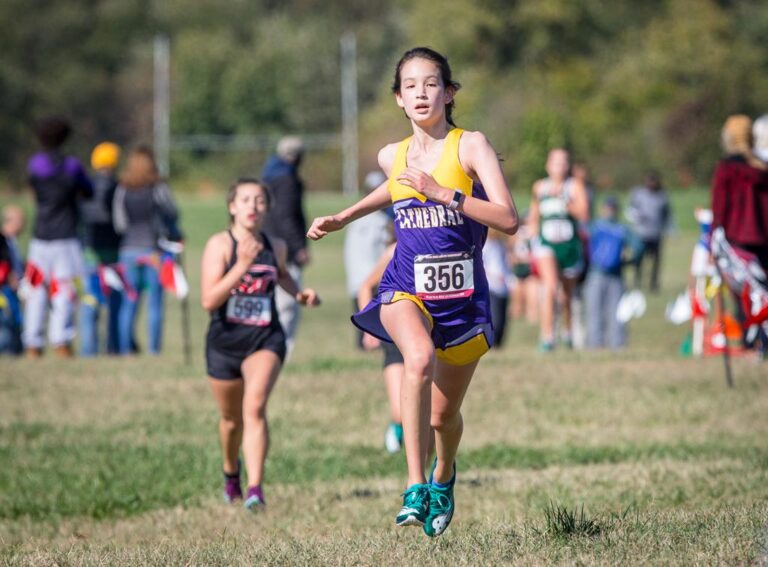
[415, 506]
[393, 438]
[441, 504]
[546, 346]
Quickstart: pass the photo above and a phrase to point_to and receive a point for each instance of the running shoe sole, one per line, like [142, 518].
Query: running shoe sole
[410, 520]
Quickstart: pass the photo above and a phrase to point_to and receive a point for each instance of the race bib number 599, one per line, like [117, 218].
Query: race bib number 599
[249, 310]
[444, 276]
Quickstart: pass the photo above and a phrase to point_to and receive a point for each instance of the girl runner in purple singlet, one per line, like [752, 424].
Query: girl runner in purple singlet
[447, 188]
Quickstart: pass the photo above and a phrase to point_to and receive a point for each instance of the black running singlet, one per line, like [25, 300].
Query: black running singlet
[250, 311]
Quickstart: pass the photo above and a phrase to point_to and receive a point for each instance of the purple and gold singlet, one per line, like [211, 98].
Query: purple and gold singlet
[437, 262]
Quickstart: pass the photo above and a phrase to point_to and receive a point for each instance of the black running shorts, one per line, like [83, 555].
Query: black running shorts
[391, 354]
[227, 365]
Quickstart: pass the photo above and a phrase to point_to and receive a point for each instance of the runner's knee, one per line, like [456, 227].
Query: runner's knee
[419, 362]
[443, 419]
[256, 410]
[232, 422]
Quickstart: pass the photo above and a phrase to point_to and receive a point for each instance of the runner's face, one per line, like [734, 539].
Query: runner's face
[422, 94]
[558, 164]
[249, 206]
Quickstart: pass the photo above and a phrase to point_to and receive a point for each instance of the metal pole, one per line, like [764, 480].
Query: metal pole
[162, 101]
[721, 308]
[185, 328]
[349, 114]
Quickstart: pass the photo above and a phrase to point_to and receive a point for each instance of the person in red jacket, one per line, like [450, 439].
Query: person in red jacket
[740, 191]
[740, 200]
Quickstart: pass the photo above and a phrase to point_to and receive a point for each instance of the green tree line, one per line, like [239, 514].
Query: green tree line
[626, 85]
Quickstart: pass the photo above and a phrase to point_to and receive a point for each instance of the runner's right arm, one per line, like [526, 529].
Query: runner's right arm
[215, 284]
[374, 201]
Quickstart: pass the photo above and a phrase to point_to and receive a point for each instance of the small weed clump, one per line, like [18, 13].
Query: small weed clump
[563, 523]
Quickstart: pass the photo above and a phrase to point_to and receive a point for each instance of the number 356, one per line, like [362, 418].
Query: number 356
[444, 277]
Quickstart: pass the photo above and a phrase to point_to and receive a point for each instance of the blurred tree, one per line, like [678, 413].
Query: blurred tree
[63, 57]
[625, 84]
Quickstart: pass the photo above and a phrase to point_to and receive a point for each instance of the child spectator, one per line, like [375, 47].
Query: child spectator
[101, 244]
[14, 222]
[608, 246]
[11, 272]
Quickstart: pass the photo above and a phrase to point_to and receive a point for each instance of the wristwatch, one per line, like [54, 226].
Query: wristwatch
[456, 200]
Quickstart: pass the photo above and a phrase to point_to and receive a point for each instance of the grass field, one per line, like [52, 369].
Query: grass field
[571, 458]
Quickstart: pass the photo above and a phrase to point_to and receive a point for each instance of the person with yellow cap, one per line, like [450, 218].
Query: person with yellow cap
[101, 244]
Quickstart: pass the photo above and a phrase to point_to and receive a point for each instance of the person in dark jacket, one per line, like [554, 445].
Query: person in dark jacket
[650, 214]
[143, 212]
[55, 256]
[286, 220]
[101, 243]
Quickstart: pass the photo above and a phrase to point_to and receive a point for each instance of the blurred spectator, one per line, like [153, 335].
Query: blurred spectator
[740, 201]
[760, 135]
[286, 220]
[55, 259]
[497, 271]
[525, 286]
[393, 359]
[364, 243]
[14, 222]
[580, 171]
[608, 246]
[11, 271]
[101, 244]
[143, 212]
[740, 191]
[650, 215]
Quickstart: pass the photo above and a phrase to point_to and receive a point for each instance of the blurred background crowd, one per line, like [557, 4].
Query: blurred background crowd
[636, 91]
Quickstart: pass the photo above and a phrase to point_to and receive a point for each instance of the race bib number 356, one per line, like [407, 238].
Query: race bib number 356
[444, 276]
[249, 310]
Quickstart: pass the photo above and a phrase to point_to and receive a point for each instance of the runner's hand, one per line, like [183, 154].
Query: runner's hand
[424, 184]
[370, 342]
[323, 225]
[308, 297]
[247, 249]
